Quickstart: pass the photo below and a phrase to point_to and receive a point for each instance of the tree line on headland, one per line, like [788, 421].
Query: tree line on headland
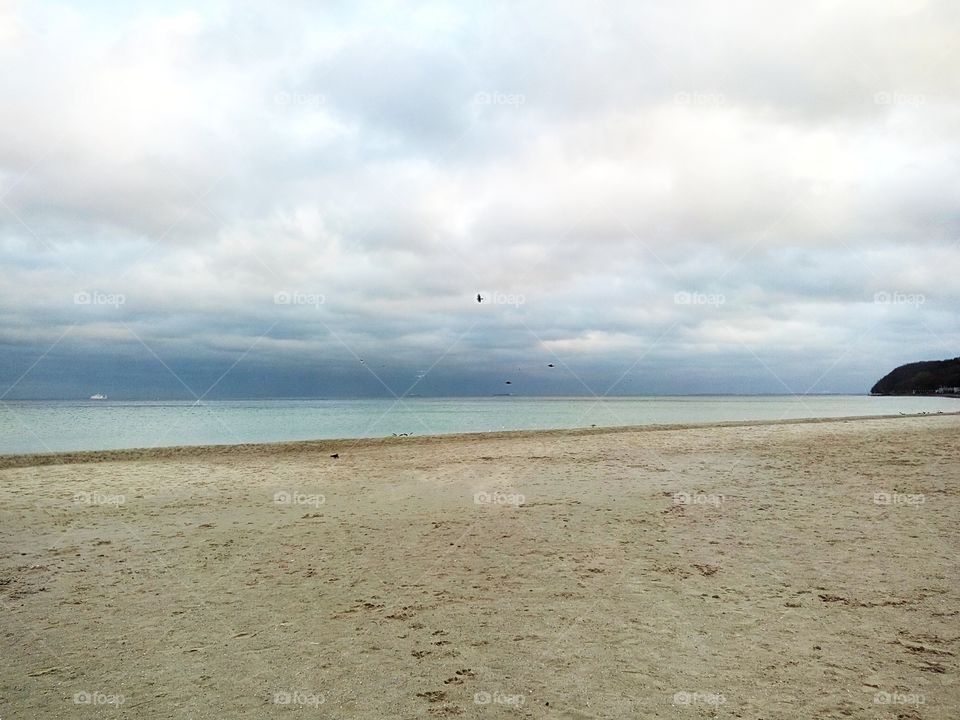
[930, 377]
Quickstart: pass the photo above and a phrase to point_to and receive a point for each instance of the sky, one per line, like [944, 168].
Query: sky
[303, 199]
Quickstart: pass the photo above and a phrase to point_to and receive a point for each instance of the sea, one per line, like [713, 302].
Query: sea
[56, 426]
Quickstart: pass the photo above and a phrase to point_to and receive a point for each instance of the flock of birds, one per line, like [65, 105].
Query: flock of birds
[336, 456]
[421, 373]
[508, 382]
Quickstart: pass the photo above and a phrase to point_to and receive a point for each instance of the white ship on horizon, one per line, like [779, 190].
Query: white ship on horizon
[98, 396]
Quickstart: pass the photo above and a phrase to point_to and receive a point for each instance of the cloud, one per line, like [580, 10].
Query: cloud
[616, 166]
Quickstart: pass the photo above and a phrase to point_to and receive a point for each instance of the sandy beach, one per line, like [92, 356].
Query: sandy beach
[774, 570]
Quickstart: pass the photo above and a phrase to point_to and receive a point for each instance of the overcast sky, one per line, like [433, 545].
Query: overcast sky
[247, 199]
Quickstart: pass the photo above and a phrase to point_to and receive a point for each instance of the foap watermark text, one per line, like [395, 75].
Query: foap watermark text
[296, 297]
[497, 698]
[284, 497]
[98, 498]
[685, 297]
[685, 498]
[86, 697]
[298, 697]
[895, 498]
[96, 297]
[685, 697]
[498, 498]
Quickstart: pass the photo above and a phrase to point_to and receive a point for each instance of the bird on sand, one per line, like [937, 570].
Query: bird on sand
[335, 456]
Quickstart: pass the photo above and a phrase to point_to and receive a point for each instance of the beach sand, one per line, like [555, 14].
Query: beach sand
[741, 571]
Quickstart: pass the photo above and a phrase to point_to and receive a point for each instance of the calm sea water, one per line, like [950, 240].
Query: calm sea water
[45, 426]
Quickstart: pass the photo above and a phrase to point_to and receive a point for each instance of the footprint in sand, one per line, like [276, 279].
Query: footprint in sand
[433, 695]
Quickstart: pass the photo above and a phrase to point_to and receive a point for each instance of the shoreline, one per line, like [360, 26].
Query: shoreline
[177, 452]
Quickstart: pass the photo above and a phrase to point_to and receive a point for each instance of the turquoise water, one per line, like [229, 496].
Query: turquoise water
[46, 426]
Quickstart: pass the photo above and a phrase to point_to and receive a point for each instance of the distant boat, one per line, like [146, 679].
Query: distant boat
[98, 396]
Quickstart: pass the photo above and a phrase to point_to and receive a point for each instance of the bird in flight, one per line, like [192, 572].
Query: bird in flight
[479, 298]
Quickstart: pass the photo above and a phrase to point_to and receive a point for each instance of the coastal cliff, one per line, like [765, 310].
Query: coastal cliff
[921, 378]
